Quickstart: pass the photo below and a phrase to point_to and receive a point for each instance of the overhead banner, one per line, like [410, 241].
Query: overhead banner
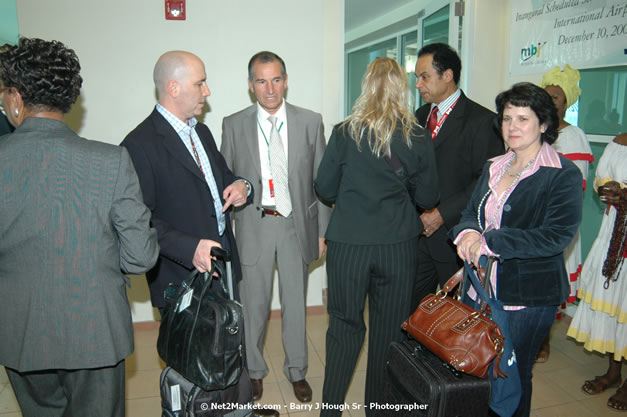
[582, 33]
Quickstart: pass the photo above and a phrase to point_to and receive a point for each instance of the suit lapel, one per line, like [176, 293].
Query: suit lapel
[450, 127]
[251, 134]
[294, 139]
[173, 144]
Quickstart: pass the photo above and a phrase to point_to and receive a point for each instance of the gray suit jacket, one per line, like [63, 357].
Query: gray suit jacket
[71, 220]
[240, 148]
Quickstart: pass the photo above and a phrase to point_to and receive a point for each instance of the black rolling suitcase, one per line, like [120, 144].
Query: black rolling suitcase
[181, 397]
[418, 383]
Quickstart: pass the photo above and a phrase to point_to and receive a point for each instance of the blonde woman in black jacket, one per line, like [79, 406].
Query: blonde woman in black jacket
[378, 166]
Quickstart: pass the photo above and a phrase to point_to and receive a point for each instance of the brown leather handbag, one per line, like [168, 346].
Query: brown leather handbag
[465, 338]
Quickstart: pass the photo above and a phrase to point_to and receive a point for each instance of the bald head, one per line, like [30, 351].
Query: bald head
[173, 65]
[181, 83]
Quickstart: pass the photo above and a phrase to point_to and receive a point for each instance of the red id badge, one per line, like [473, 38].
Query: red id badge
[271, 185]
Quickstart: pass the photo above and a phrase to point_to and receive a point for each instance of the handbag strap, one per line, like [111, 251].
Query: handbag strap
[484, 291]
[453, 281]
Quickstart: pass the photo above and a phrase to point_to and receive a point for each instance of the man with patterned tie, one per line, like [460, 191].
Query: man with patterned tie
[278, 147]
[464, 138]
[185, 181]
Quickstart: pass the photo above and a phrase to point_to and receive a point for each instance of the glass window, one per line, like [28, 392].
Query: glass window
[435, 27]
[434, 30]
[358, 62]
[409, 56]
[601, 106]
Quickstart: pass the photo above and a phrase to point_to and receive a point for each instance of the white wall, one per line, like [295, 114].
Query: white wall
[119, 42]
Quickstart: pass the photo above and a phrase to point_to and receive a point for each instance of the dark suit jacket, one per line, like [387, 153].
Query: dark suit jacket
[71, 218]
[373, 204]
[176, 192]
[540, 218]
[465, 142]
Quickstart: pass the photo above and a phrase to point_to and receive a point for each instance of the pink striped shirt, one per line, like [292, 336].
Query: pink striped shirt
[547, 157]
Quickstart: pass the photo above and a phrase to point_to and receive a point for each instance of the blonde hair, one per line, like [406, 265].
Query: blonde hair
[382, 104]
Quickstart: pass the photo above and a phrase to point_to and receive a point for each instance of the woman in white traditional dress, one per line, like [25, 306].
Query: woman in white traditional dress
[563, 87]
[601, 318]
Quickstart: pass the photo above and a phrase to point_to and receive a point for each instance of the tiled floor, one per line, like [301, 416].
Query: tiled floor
[557, 383]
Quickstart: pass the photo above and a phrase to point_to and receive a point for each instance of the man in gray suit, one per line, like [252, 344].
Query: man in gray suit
[72, 221]
[277, 147]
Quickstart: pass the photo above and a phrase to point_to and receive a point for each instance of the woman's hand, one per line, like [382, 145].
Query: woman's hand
[469, 247]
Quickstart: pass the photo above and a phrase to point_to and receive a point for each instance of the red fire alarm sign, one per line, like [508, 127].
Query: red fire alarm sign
[175, 9]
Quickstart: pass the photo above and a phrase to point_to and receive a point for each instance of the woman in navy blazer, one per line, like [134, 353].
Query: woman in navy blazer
[378, 166]
[525, 210]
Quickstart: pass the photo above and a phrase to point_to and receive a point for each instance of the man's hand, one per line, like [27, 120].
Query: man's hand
[432, 221]
[322, 247]
[202, 255]
[235, 194]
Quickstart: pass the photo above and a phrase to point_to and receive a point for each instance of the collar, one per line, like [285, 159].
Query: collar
[444, 105]
[177, 124]
[281, 114]
[547, 157]
[42, 123]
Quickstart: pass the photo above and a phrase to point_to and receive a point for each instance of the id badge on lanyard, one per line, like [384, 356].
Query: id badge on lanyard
[270, 182]
[437, 128]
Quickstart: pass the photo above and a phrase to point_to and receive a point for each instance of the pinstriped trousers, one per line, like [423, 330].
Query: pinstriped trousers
[385, 275]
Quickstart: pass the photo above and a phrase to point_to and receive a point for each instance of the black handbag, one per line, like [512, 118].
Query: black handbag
[201, 331]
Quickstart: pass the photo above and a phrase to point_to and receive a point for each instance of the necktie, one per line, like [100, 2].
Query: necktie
[213, 187]
[278, 166]
[433, 119]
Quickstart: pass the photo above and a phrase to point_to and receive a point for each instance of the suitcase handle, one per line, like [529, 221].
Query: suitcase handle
[224, 256]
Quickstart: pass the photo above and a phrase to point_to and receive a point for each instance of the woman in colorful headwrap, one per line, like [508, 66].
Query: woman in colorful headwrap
[563, 87]
[601, 318]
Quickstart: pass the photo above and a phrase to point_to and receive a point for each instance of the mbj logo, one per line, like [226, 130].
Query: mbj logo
[531, 51]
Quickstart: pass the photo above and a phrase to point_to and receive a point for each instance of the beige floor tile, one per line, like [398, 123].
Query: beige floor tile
[141, 384]
[558, 360]
[565, 410]
[144, 358]
[548, 394]
[557, 383]
[142, 407]
[4, 379]
[8, 402]
[576, 352]
[146, 337]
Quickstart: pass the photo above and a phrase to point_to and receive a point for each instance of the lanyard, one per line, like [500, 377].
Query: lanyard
[444, 116]
[264, 134]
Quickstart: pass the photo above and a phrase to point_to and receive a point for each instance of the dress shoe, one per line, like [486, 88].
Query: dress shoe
[257, 388]
[302, 390]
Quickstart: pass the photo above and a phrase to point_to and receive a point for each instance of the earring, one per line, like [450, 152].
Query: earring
[16, 112]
